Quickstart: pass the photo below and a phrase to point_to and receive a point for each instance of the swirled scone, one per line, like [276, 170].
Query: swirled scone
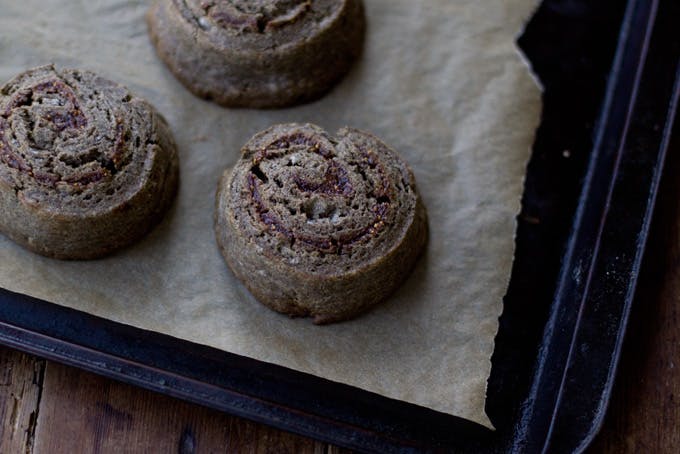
[257, 53]
[86, 167]
[319, 226]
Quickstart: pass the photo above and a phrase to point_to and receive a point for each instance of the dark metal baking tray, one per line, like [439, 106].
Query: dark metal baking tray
[610, 72]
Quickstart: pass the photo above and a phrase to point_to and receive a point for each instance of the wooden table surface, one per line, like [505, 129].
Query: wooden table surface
[46, 407]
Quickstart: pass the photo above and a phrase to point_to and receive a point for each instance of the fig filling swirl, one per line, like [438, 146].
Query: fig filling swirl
[317, 195]
[46, 136]
[252, 16]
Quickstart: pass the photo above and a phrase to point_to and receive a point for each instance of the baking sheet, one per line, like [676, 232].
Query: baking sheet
[440, 81]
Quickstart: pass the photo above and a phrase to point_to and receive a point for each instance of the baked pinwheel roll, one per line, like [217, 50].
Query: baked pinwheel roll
[86, 167]
[257, 53]
[319, 226]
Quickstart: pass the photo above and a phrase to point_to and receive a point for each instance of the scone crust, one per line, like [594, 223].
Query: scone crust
[86, 167]
[355, 229]
[245, 61]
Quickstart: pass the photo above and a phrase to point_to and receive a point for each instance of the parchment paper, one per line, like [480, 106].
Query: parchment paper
[440, 80]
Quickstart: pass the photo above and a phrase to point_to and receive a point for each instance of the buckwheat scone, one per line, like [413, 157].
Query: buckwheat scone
[257, 53]
[319, 226]
[86, 167]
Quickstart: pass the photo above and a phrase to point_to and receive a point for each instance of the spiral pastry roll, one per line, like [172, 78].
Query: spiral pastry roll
[85, 166]
[319, 226]
[257, 53]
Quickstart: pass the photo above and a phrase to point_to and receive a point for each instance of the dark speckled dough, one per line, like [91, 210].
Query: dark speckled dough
[319, 226]
[258, 53]
[86, 167]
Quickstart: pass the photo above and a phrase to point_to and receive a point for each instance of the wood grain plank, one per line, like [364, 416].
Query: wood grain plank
[20, 384]
[83, 412]
[335, 450]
